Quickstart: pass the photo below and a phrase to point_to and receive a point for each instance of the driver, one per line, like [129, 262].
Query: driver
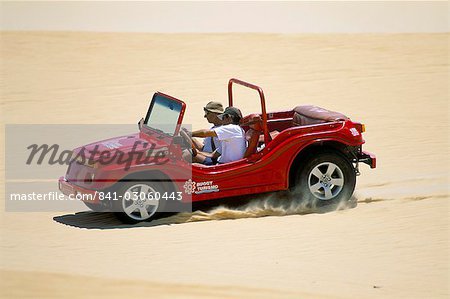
[210, 144]
[231, 136]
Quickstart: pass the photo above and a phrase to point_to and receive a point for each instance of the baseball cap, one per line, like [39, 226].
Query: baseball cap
[214, 107]
[233, 111]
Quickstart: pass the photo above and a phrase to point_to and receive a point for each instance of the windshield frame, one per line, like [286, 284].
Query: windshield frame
[180, 116]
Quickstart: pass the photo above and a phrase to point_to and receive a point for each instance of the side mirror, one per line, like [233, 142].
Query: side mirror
[140, 123]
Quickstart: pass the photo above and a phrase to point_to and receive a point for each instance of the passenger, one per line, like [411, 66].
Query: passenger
[230, 135]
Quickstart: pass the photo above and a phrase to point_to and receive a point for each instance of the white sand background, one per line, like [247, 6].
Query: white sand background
[393, 244]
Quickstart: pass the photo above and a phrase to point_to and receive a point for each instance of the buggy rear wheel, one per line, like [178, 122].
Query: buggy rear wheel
[326, 179]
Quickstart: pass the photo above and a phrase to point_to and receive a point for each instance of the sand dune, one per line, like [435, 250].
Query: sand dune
[392, 244]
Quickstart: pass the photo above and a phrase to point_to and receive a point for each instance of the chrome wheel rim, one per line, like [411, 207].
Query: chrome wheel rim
[326, 181]
[138, 202]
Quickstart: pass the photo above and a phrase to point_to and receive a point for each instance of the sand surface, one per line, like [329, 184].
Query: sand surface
[393, 244]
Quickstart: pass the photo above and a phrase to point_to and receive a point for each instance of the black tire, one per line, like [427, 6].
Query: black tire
[141, 204]
[325, 179]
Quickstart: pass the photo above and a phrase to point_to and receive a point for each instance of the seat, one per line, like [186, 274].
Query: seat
[254, 123]
[310, 115]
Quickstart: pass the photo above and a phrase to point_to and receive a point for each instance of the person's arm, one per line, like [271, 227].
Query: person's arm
[204, 133]
[214, 155]
[198, 144]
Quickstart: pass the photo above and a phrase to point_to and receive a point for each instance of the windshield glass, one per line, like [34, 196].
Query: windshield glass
[163, 114]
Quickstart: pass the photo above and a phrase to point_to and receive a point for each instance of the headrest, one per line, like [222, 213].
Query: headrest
[254, 121]
[309, 114]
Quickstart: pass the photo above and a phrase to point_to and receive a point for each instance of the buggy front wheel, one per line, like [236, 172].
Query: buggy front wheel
[138, 201]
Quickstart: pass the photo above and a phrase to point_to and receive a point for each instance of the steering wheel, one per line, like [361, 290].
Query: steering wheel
[189, 141]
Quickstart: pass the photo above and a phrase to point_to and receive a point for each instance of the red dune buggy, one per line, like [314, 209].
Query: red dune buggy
[309, 151]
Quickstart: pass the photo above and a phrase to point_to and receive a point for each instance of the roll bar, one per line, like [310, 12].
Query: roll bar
[263, 102]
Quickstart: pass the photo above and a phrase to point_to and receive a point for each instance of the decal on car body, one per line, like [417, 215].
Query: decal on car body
[354, 132]
[191, 187]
